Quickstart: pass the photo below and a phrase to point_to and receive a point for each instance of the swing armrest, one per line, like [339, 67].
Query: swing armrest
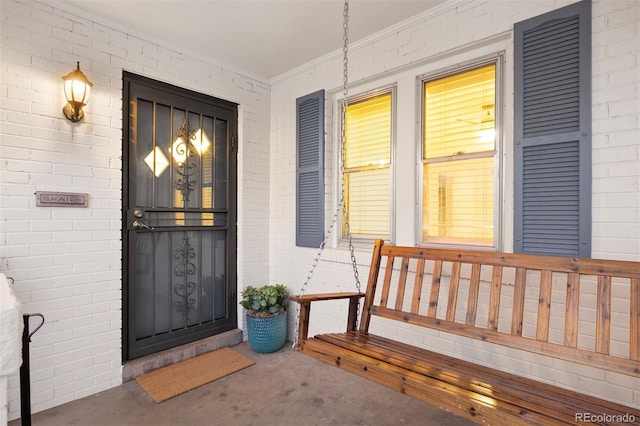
[325, 296]
[305, 308]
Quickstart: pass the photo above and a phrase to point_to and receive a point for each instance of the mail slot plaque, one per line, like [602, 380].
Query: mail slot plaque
[61, 199]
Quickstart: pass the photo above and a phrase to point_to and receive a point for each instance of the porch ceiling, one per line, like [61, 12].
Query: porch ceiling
[264, 38]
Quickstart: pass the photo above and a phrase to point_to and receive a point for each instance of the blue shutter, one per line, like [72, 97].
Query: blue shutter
[552, 71]
[310, 170]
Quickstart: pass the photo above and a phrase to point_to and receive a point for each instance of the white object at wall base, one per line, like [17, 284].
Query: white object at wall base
[11, 326]
[3, 400]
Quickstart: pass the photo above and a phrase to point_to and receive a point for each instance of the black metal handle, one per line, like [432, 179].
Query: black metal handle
[39, 325]
[25, 379]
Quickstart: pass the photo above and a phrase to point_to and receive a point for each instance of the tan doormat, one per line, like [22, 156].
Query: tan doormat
[175, 379]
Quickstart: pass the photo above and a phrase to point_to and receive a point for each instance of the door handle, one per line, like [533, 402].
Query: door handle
[139, 225]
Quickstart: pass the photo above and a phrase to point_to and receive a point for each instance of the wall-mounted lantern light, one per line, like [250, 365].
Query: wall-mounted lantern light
[77, 89]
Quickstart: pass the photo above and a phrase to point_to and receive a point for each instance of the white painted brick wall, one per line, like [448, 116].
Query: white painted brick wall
[67, 262]
[452, 34]
[77, 353]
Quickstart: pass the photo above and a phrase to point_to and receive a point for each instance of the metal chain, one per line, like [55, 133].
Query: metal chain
[345, 57]
[341, 204]
[345, 92]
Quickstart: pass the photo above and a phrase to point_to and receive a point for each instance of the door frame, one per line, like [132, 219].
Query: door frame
[128, 79]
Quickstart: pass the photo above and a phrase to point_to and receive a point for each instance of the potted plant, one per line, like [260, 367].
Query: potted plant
[266, 315]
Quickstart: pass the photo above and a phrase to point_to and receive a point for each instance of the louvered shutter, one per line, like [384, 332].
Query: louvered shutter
[552, 85]
[310, 170]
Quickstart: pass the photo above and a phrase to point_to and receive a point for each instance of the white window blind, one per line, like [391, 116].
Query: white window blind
[367, 165]
[458, 158]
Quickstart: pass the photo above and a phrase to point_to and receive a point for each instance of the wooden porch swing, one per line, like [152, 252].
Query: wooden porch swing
[477, 392]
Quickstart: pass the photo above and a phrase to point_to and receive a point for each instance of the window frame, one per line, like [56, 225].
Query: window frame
[499, 177]
[341, 105]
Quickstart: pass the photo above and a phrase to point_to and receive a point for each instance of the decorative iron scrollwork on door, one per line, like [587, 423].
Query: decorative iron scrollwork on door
[185, 146]
[186, 288]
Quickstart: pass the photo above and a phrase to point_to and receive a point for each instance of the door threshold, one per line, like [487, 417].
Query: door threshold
[136, 367]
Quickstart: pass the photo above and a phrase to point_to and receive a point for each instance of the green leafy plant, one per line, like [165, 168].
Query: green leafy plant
[266, 300]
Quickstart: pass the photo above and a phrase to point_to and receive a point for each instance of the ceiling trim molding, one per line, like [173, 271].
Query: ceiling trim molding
[389, 31]
[214, 62]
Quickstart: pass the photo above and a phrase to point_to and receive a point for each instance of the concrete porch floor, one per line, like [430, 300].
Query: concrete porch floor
[282, 388]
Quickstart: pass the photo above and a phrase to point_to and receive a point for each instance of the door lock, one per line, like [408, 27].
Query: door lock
[139, 225]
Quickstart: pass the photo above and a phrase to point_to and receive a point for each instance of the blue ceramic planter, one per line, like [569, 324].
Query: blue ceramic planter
[267, 334]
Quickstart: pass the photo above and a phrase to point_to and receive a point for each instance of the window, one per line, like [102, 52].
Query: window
[367, 165]
[459, 157]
